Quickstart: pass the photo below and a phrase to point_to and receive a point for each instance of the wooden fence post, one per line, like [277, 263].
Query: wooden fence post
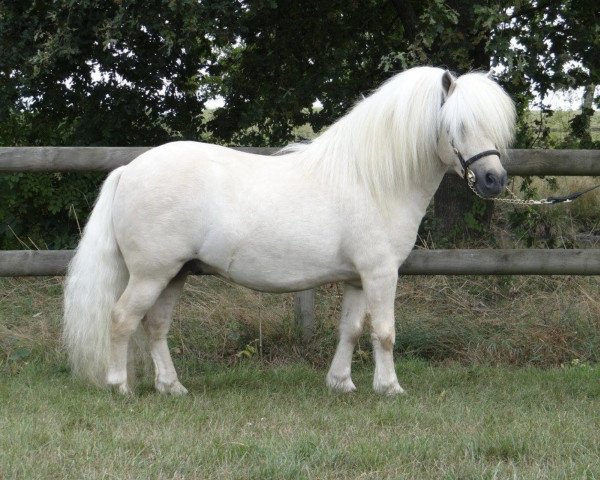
[304, 313]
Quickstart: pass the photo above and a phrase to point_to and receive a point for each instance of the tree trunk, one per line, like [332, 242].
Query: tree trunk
[588, 97]
[458, 213]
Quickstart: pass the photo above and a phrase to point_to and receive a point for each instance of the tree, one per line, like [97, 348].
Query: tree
[547, 45]
[107, 72]
[289, 53]
[129, 72]
[95, 73]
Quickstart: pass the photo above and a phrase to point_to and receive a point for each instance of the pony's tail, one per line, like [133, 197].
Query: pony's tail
[96, 277]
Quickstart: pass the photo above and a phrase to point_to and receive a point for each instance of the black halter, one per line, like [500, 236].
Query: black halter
[470, 178]
[468, 174]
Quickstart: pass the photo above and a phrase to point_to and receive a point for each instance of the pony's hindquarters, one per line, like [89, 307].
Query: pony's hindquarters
[96, 277]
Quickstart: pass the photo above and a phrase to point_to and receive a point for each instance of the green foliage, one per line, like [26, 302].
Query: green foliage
[580, 135]
[94, 73]
[557, 46]
[532, 226]
[335, 51]
[473, 218]
[289, 54]
[132, 72]
[105, 72]
[249, 351]
[44, 211]
[435, 233]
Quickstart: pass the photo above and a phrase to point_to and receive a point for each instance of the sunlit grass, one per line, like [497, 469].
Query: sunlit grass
[469, 413]
[250, 421]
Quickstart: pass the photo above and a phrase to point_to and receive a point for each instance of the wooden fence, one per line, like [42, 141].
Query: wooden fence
[420, 262]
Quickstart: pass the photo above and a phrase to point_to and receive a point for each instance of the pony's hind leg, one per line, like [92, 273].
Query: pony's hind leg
[156, 324]
[139, 295]
[351, 326]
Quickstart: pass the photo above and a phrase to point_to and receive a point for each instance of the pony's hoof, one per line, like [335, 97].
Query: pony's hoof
[171, 388]
[117, 381]
[121, 388]
[340, 384]
[390, 389]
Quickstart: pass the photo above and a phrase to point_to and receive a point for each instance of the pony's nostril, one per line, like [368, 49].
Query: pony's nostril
[491, 179]
[492, 183]
[503, 180]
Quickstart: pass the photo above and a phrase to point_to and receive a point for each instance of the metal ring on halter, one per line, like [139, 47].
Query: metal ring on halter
[468, 174]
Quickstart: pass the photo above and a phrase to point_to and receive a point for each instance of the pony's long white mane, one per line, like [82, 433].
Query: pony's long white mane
[388, 140]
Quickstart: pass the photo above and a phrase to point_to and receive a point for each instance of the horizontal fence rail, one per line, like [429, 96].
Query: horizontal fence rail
[90, 159]
[16, 263]
[80, 159]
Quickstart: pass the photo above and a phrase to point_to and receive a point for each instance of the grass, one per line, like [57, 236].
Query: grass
[501, 375]
[518, 321]
[251, 421]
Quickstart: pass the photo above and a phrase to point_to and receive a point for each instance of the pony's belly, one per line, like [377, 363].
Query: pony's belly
[270, 274]
[285, 282]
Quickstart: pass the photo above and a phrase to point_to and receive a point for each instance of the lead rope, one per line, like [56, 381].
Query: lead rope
[470, 177]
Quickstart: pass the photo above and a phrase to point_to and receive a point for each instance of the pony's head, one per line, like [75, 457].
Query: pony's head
[407, 130]
[476, 126]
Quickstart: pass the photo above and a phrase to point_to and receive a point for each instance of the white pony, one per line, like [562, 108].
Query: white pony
[345, 207]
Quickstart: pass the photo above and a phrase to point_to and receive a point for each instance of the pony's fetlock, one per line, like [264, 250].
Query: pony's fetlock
[121, 388]
[389, 389]
[341, 384]
[170, 388]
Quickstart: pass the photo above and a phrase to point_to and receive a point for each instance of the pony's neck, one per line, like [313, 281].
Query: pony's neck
[417, 196]
[386, 144]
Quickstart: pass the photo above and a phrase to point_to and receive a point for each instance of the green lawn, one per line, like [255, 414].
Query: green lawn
[252, 421]
[491, 401]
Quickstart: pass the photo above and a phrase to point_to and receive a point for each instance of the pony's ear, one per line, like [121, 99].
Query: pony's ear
[447, 83]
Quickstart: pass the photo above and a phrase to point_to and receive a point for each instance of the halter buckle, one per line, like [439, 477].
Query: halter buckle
[470, 177]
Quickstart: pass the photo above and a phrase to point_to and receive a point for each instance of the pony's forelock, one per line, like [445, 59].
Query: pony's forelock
[478, 104]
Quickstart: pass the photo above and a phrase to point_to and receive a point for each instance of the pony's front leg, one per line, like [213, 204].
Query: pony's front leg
[351, 324]
[156, 324]
[380, 291]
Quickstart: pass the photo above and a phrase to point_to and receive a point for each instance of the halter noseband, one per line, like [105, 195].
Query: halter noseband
[468, 174]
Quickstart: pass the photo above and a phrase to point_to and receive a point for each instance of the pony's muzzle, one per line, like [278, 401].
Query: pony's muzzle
[491, 183]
